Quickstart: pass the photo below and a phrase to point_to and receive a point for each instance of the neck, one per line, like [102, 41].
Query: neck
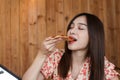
[79, 56]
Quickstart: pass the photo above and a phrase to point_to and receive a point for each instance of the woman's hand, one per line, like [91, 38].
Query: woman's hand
[49, 45]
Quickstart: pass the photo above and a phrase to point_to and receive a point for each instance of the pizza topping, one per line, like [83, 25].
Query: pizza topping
[68, 38]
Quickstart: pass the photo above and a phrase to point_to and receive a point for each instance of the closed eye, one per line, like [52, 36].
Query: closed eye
[80, 28]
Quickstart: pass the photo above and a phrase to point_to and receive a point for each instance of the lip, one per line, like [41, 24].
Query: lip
[70, 42]
[73, 37]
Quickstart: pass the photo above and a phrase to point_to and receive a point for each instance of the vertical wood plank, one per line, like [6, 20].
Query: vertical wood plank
[110, 34]
[99, 9]
[6, 34]
[0, 35]
[15, 55]
[32, 29]
[84, 5]
[105, 26]
[117, 8]
[51, 18]
[67, 12]
[75, 7]
[41, 16]
[1, 29]
[24, 36]
[60, 28]
[94, 7]
[115, 29]
[117, 26]
[59, 17]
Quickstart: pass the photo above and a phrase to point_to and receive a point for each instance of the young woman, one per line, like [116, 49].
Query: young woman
[82, 59]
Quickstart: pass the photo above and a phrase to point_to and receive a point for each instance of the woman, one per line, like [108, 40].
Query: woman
[82, 59]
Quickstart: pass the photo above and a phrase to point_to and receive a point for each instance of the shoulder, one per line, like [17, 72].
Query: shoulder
[110, 72]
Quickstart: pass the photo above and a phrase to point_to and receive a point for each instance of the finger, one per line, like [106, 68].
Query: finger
[52, 48]
[52, 38]
[53, 41]
[49, 46]
[48, 38]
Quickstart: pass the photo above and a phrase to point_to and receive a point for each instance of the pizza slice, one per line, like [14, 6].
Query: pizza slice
[68, 38]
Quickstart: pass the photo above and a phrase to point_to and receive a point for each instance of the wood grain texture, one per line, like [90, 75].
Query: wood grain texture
[67, 12]
[6, 31]
[32, 29]
[15, 36]
[24, 42]
[41, 18]
[51, 18]
[24, 24]
[59, 12]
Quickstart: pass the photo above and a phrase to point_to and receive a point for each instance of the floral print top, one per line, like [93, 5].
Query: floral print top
[50, 66]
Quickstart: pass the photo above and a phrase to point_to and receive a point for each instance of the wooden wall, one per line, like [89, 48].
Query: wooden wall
[25, 23]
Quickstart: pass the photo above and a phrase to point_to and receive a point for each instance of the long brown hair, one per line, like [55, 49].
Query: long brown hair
[96, 49]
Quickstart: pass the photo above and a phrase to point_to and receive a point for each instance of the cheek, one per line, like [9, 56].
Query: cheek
[84, 42]
[83, 39]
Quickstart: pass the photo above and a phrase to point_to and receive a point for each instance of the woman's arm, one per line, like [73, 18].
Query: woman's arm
[33, 71]
[48, 46]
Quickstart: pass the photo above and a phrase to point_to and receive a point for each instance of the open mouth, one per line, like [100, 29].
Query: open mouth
[71, 39]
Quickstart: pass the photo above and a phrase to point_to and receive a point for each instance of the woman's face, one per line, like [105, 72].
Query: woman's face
[79, 31]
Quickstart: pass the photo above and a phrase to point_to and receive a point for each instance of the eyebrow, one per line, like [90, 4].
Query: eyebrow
[81, 24]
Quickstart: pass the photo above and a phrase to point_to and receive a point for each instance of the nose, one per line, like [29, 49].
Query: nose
[73, 31]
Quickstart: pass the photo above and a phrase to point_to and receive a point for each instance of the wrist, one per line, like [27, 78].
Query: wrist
[41, 53]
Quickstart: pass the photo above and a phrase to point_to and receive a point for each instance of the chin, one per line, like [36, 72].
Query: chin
[73, 48]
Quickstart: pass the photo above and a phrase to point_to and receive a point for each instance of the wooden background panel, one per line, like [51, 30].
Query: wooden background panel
[84, 5]
[1, 30]
[32, 29]
[15, 38]
[117, 33]
[51, 18]
[75, 7]
[24, 24]
[110, 31]
[24, 28]
[59, 12]
[67, 12]
[41, 25]
[6, 31]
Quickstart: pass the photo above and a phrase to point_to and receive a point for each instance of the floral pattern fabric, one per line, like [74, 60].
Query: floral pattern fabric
[50, 65]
